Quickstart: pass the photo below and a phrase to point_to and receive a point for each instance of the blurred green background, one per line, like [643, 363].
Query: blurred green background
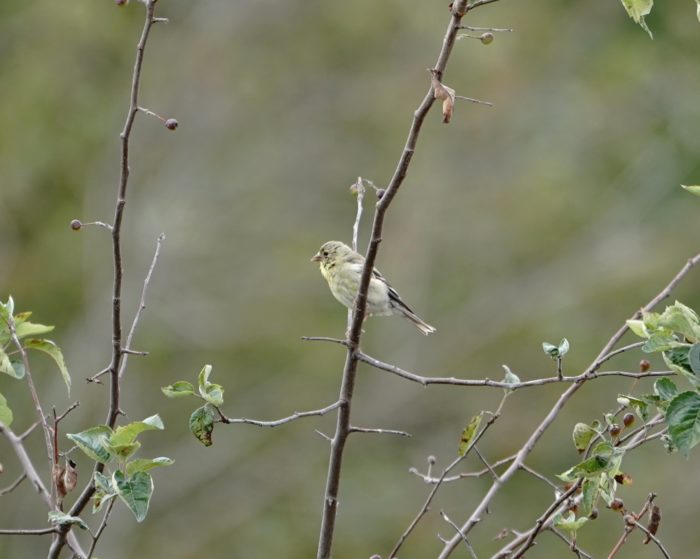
[557, 212]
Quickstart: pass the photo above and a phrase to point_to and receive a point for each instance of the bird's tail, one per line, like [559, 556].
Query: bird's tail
[423, 326]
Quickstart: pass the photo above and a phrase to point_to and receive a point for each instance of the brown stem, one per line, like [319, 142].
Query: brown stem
[117, 352]
[330, 499]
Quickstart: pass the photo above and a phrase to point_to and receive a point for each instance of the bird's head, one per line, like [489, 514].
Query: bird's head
[331, 252]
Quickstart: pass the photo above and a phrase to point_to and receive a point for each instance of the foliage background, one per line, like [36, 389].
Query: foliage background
[555, 213]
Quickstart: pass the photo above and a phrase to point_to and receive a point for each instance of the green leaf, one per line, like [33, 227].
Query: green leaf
[6, 366]
[665, 388]
[145, 464]
[641, 407]
[93, 442]
[511, 377]
[694, 189]
[468, 434]
[135, 491]
[126, 434]
[683, 419]
[123, 451]
[637, 10]
[563, 347]
[5, 412]
[58, 518]
[569, 522]
[694, 356]
[50, 348]
[660, 341]
[681, 319]
[212, 393]
[550, 349]
[104, 491]
[25, 329]
[7, 309]
[583, 434]
[202, 423]
[556, 352]
[599, 462]
[638, 328]
[178, 389]
[678, 360]
[590, 491]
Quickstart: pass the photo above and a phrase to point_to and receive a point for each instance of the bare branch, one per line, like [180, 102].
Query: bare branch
[28, 532]
[13, 485]
[572, 545]
[142, 305]
[296, 415]
[425, 381]
[379, 431]
[431, 495]
[464, 538]
[324, 339]
[103, 525]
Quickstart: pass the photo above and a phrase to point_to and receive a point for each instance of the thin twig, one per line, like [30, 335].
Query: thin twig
[29, 430]
[28, 532]
[35, 399]
[464, 538]
[13, 485]
[142, 305]
[544, 518]
[379, 431]
[653, 538]
[427, 478]
[572, 545]
[103, 525]
[431, 495]
[296, 415]
[324, 339]
[425, 381]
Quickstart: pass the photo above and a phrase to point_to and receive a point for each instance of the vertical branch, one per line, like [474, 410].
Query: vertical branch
[117, 347]
[330, 501]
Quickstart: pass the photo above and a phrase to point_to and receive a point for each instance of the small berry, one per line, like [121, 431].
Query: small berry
[431, 460]
[594, 514]
[644, 366]
[486, 38]
[171, 124]
[628, 419]
[617, 504]
[615, 430]
[380, 193]
[75, 225]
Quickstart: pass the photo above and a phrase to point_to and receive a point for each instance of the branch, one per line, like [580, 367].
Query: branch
[425, 381]
[117, 352]
[10, 488]
[296, 415]
[28, 532]
[142, 303]
[330, 500]
[103, 525]
[426, 505]
[529, 445]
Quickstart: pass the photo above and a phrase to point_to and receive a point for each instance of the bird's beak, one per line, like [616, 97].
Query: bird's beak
[316, 257]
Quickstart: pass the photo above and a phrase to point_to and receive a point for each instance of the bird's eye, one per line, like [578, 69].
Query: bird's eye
[325, 253]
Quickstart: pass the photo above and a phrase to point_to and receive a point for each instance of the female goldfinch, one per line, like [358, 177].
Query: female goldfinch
[342, 268]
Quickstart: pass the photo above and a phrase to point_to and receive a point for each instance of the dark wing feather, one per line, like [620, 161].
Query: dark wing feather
[394, 296]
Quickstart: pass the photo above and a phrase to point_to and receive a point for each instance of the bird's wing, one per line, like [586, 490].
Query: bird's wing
[394, 296]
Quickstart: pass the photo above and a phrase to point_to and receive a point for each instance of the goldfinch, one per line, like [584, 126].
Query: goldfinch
[342, 268]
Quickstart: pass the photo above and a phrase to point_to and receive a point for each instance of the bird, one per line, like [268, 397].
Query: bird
[342, 268]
